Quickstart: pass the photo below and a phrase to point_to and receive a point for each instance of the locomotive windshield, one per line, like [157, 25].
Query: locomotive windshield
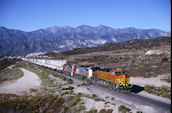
[124, 72]
[101, 69]
[117, 73]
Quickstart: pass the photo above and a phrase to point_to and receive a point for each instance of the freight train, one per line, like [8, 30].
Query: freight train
[116, 79]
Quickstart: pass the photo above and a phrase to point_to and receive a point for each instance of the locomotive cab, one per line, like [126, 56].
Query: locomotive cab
[121, 78]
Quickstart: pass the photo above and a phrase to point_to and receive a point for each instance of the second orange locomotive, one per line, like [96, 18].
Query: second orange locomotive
[116, 79]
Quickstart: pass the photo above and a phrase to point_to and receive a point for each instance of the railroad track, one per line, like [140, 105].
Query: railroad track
[160, 106]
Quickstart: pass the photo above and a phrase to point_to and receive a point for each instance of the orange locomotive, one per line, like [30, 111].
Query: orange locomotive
[117, 79]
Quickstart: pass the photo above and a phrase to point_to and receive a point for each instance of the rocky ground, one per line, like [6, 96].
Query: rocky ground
[54, 94]
[58, 93]
[143, 62]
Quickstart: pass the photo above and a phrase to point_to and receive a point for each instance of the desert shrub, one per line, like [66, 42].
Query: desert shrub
[65, 108]
[9, 74]
[68, 88]
[83, 84]
[50, 83]
[138, 112]
[59, 103]
[102, 111]
[164, 88]
[123, 109]
[77, 98]
[79, 94]
[81, 107]
[164, 60]
[33, 90]
[5, 62]
[63, 78]
[31, 104]
[164, 91]
[70, 81]
[97, 99]
[165, 94]
[65, 93]
[107, 97]
[109, 111]
[94, 95]
[113, 104]
[148, 88]
[92, 111]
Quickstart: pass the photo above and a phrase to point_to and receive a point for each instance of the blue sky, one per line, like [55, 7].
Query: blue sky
[29, 15]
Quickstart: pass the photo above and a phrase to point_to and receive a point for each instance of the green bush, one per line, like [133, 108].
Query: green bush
[164, 60]
[78, 98]
[138, 112]
[123, 109]
[33, 90]
[81, 108]
[97, 99]
[68, 88]
[164, 91]
[59, 103]
[9, 74]
[102, 111]
[94, 95]
[5, 62]
[109, 111]
[79, 94]
[70, 81]
[63, 78]
[92, 111]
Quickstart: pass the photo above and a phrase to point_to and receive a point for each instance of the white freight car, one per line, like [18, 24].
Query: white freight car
[57, 64]
[54, 64]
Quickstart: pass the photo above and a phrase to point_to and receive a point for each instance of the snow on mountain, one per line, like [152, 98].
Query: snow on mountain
[114, 39]
[56, 38]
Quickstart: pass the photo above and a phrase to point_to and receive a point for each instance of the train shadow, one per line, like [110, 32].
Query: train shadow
[137, 89]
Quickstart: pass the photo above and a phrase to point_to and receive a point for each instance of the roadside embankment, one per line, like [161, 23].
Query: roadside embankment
[27, 81]
[10, 74]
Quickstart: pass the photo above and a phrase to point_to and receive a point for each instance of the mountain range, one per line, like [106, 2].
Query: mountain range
[20, 43]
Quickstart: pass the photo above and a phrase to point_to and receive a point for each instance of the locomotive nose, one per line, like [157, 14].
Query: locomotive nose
[124, 79]
[124, 76]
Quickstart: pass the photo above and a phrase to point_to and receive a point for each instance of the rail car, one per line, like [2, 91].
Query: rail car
[116, 79]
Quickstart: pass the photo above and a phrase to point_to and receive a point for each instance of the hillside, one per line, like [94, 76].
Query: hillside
[140, 57]
[20, 43]
[132, 44]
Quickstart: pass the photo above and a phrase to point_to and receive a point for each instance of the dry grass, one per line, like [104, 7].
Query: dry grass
[131, 60]
[163, 91]
[9, 74]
